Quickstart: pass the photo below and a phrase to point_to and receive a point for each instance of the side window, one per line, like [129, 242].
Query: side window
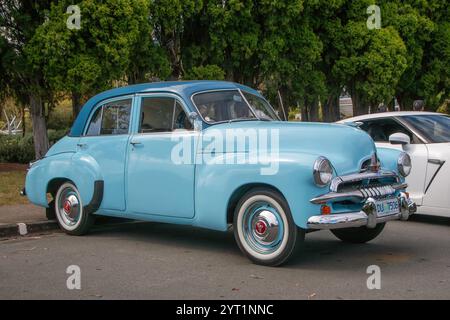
[381, 129]
[180, 119]
[111, 118]
[116, 117]
[162, 115]
[94, 125]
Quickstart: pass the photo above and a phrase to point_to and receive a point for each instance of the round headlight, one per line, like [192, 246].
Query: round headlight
[322, 172]
[404, 164]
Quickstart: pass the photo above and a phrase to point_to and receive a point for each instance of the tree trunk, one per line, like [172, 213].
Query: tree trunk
[331, 112]
[76, 104]
[360, 106]
[305, 113]
[405, 102]
[40, 138]
[23, 121]
[314, 111]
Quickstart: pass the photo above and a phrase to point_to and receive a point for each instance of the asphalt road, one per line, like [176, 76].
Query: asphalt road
[157, 261]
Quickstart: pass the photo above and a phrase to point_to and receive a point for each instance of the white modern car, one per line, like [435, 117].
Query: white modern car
[425, 136]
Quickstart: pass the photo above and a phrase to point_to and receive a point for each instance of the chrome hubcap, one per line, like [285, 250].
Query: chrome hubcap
[69, 206]
[263, 227]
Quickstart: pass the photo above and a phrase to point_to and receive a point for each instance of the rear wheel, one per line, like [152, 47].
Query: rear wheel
[358, 235]
[264, 228]
[70, 213]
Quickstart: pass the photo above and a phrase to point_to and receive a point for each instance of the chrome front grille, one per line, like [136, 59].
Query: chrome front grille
[376, 192]
[359, 187]
[363, 180]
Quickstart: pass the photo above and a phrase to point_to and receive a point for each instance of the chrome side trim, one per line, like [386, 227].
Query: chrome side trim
[366, 217]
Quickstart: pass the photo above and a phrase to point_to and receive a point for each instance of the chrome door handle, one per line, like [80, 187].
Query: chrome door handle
[81, 145]
[135, 143]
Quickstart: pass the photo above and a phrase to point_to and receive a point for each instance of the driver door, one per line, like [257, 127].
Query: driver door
[158, 181]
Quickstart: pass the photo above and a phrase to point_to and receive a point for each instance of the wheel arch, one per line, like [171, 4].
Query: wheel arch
[241, 191]
[54, 184]
[97, 196]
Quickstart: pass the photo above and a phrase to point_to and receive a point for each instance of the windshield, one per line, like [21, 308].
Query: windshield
[231, 105]
[434, 128]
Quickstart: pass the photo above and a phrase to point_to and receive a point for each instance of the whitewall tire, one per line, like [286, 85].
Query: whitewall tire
[70, 213]
[264, 228]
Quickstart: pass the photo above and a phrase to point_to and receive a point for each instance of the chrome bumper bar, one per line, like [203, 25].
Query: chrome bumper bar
[366, 217]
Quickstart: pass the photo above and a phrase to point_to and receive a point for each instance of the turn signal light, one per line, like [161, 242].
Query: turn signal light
[325, 209]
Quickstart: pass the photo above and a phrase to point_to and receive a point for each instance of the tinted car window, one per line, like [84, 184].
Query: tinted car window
[94, 126]
[381, 129]
[434, 128]
[162, 115]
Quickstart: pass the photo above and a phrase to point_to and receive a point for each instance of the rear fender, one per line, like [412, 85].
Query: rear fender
[82, 170]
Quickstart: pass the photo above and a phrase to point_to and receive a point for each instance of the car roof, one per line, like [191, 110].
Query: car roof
[388, 115]
[182, 88]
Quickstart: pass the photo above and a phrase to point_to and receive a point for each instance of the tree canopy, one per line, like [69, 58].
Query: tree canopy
[307, 52]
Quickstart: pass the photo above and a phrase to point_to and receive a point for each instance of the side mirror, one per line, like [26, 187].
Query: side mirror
[196, 121]
[193, 116]
[399, 138]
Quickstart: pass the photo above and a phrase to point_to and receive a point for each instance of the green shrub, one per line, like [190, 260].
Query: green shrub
[208, 72]
[18, 149]
[59, 118]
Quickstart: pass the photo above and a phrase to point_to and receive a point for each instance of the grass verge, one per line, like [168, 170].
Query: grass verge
[11, 182]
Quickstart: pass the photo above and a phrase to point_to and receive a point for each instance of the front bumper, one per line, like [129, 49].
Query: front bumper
[366, 217]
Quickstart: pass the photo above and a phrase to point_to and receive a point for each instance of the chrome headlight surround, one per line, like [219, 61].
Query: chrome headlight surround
[404, 164]
[322, 172]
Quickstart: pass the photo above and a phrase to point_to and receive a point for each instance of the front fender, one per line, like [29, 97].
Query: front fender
[82, 170]
[216, 184]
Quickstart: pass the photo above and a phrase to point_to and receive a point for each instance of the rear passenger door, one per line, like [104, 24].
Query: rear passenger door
[105, 141]
[161, 170]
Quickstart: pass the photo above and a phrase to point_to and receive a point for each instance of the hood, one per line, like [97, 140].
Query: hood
[346, 147]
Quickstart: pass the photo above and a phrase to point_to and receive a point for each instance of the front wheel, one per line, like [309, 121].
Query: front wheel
[264, 229]
[70, 213]
[358, 235]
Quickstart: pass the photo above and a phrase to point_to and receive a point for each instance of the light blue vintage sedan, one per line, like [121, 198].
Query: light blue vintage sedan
[210, 154]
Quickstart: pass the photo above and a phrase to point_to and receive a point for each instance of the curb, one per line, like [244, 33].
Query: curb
[22, 229]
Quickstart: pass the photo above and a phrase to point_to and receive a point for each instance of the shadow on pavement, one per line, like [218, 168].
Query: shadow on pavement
[320, 251]
[430, 219]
